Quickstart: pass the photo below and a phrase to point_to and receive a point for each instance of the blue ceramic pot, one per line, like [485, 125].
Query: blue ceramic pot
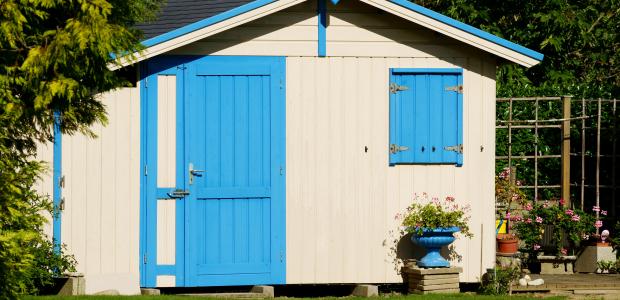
[433, 239]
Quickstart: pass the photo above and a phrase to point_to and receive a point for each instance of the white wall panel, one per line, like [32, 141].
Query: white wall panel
[166, 231]
[100, 223]
[341, 200]
[166, 130]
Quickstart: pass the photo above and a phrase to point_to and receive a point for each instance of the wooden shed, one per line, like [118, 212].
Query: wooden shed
[273, 142]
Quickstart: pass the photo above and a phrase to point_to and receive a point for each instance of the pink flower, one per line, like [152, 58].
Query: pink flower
[450, 199]
[575, 218]
[603, 212]
[596, 208]
[529, 220]
[569, 212]
[564, 251]
[508, 215]
[519, 183]
[598, 224]
[536, 247]
[528, 207]
[562, 201]
[539, 219]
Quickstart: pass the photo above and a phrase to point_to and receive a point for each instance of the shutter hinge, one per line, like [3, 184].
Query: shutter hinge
[396, 148]
[457, 148]
[456, 88]
[394, 88]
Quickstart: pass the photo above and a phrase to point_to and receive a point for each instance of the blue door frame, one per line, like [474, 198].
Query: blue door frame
[180, 66]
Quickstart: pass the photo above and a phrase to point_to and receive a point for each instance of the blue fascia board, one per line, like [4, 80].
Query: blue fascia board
[322, 28]
[469, 29]
[206, 22]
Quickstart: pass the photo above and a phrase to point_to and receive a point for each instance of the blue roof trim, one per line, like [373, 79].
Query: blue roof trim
[206, 22]
[469, 29]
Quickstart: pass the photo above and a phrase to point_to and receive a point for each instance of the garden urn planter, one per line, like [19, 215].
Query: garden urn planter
[432, 239]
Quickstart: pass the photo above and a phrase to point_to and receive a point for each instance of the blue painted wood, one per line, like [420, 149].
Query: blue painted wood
[237, 219]
[322, 28]
[426, 117]
[57, 188]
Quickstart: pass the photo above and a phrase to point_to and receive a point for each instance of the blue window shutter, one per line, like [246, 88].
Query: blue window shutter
[426, 116]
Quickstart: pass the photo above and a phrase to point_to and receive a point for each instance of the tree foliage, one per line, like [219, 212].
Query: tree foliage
[53, 58]
[580, 41]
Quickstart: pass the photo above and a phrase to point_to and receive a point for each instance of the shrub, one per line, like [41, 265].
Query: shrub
[498, 281]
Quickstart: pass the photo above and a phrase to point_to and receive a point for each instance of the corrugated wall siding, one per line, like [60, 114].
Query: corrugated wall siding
[100, 223]
[342, 199]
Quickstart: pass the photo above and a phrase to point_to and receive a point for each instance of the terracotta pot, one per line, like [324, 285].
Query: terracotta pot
[507, 243]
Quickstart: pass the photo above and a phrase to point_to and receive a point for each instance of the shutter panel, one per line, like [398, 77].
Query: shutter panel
[425, 116]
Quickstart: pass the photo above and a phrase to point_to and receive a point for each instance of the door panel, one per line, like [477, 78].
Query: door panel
[229, 140]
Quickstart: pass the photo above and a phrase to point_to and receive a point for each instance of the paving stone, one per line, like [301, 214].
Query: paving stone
[107, 293]
[433, 287]
[267, 291]
[450, 270]
[365, 290]
[438, 281]
[434, 276]
[74, 286]
[150, 292]
[446, 291]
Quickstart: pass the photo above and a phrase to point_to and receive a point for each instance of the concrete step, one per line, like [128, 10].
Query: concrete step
[229, 295]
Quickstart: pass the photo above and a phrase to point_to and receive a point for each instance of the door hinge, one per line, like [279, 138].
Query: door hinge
[144, 258]
[61, 181]
[394, 88]
[61, 204]
[146, 82]
[281, 256]
[457, 148]
[281, 86]
[456, 88]
[396, 148]
[146, 170]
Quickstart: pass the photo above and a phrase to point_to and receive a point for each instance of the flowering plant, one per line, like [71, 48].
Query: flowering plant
[435, 214]
[508, 192]
[569, 226]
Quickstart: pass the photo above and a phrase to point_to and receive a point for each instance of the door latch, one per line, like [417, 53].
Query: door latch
[396, 148]
[178, 193]
[457, 148]
[193, 172]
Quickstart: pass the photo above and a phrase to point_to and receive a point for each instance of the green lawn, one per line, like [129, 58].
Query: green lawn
[395, 297]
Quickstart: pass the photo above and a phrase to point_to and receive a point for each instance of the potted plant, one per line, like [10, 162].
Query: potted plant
[566, 228]
[507, 195]
[433, 225]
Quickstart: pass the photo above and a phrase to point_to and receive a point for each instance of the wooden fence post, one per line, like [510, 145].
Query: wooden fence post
[566, 115]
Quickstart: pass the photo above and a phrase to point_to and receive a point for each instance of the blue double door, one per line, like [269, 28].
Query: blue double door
[230, 173]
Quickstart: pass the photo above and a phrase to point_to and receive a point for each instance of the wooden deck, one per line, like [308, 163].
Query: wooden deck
[577, 283]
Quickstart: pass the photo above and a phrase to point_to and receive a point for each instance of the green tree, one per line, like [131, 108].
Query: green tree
[580, 41]
[53, 58]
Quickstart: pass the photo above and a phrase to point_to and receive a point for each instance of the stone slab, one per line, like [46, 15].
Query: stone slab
[447, 291]
[596, 292]
[150, 292]
[438, 287]
[433, 276]
[421, 271]
[365, 290]
[438, 281]
[267, 291]
[227, 295]
[74, 286]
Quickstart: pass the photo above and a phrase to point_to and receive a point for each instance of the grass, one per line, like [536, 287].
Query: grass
[462, 296]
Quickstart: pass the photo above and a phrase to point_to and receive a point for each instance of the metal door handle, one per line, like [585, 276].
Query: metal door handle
[178, 193]
[193, 172]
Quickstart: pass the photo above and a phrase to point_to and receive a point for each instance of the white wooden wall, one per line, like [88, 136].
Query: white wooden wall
[100, 223]
[45, 185]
